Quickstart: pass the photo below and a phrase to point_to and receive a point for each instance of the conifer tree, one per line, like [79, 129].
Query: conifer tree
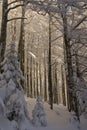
[11, 91]
[39, 114]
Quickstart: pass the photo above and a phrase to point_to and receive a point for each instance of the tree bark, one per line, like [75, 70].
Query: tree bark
[37, 89]
[50, 89]
[69, 65]
[45, 79]
[3, 29]
[55, 92]
[72, 99]
[40, 76]
[21, 47]
[63, 86]
[31, 76]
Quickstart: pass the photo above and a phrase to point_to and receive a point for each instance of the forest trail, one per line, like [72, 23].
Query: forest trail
[58, 118]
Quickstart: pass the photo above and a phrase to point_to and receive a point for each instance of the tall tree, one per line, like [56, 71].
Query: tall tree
[15, 104]
[50, 89]
[3, 29]
[21, 46]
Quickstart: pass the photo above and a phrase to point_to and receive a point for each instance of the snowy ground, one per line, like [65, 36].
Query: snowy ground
[58, 119]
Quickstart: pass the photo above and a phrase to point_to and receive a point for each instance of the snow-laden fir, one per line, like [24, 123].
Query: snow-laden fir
[39, 114]
[13, 107]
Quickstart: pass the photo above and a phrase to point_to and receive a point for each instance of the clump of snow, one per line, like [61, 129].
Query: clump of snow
[14, 125]
[5, 124]
[2, 108]
[39, 114]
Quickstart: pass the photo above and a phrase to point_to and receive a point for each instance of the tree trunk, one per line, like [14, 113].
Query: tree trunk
[34, 79]
[63, 86]
[49, 68]
[37, 89]
[3, 29]
[27, 75]
[14, 31]
[55, 92]
[31, 76]
[21, 47]
[40, 76]
[69, 65]
[72, 100]
[45, 79]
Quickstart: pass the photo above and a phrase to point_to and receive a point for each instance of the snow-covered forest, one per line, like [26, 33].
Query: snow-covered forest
[43, 66]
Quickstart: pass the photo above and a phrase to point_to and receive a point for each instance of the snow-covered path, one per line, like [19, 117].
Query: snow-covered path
[58, 119]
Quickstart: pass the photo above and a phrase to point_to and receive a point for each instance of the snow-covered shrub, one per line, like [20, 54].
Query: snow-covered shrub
[74, 121]
[11, 92]
[39, 114]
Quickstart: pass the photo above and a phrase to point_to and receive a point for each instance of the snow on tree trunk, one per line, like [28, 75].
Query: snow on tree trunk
[81, 94]
[39, 114]
[11, 92]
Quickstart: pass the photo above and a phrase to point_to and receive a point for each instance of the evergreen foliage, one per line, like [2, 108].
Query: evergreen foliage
[39, 114]
[11, 92]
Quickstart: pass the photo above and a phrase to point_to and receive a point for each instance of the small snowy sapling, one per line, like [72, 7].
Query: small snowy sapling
[39, 114]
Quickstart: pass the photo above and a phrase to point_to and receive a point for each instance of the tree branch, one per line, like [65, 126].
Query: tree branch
[80, 21]
[14, 7]
[14, 2]
[15, 19]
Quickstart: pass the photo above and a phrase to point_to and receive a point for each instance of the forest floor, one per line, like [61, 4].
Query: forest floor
[58, 118]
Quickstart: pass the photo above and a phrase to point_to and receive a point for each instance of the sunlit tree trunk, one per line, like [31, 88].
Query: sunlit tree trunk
[37, 80]
[31, 77]
[14, 31]
[63, 86]
[45, 78]
[34, 79]
[40, 76]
